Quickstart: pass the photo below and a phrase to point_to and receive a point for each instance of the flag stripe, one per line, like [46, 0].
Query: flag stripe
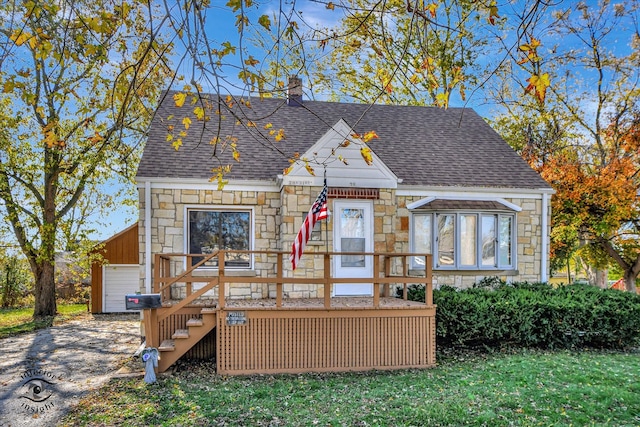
[317, 212]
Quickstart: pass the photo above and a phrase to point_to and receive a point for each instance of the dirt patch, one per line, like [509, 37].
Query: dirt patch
[44, 373]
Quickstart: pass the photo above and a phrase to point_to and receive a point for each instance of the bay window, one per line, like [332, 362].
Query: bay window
[464, 240]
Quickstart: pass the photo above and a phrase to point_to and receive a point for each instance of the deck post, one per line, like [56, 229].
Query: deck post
[165, 271]
[279, 273]
[376, 281]
[150, 317]
[387, 273]
[404, 274]
[327, 282]
[428, 294]
[156, 273]
[221, 281]
[188, 285]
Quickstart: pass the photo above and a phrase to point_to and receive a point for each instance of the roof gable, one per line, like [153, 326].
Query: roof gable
[420, 146]
[330, 151]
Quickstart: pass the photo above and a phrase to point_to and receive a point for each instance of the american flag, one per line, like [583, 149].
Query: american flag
[317, 212]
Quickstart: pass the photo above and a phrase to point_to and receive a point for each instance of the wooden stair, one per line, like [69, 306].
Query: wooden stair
[184, 339]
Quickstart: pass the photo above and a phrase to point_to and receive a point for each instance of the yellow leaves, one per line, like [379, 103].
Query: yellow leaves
[234, 4]
[369, 136]
[219, 174]
[280, 135]
[538, 82]
[365, 152]
[97, 138]
[268, 126]
[431, 8]
[277, 135]
[177, 144]
[199, 113]
[493, 12]
[288, 170]
[19, 37]
[365, 137]
[179, 99]
[50, 139]
[50, 136]
[265, 22]
[385, 78]
[309, 169]
[442, 100]
[535, 43]
[8, 86]
[234, 151]
[538, 85]
[531, 51]
[251, 61]
[186, 122]
[331, 6]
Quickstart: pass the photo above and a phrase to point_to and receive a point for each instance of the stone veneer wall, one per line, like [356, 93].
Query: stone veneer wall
[296, 201]
[168, 225]
[278, 217]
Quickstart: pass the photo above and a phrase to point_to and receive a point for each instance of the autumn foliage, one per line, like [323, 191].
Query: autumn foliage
[597, 198]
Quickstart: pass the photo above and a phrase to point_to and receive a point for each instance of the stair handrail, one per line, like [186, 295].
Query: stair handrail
[168, 311]
[206, 257]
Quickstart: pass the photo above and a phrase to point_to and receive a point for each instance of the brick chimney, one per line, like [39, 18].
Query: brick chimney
[294, 91]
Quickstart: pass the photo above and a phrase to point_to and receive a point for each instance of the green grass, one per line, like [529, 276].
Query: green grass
[526, 389]
[15, 321]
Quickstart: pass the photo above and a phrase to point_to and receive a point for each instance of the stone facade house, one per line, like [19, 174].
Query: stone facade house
[439, 181]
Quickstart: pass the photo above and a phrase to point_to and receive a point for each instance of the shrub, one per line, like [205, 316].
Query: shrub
[535, 315]
[14, 282]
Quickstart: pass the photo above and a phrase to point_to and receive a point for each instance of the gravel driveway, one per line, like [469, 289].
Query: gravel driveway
[42, 374]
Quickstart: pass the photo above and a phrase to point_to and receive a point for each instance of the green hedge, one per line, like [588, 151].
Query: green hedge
[535, 315]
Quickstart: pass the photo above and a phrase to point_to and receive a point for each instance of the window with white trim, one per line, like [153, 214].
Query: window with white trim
[464, 240]
[213, 229]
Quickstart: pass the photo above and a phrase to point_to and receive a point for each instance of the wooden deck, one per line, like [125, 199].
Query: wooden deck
[293, 335]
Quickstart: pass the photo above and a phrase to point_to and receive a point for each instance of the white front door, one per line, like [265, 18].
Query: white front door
[353, 232]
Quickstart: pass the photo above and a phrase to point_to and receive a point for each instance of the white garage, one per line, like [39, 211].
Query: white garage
[115, 272]
[118, 281]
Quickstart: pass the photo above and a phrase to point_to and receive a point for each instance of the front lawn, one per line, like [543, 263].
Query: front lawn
[524, 388]
[15, 321]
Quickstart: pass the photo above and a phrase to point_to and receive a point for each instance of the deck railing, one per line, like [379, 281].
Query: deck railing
[171, 269]
[383, 335]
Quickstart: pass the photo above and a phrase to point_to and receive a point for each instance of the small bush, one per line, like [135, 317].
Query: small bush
[14, 282]
[535, 315]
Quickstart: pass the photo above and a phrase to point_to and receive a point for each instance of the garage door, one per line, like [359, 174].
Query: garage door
[119, 280]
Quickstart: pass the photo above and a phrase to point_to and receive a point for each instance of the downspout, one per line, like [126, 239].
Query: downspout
[147, 236]
[544, 261]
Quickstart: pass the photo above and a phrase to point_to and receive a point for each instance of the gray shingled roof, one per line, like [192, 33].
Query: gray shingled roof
[421, 145]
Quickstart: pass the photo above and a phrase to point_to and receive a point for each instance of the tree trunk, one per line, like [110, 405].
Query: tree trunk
[630, 280]
[45, 290]
[601, 278]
